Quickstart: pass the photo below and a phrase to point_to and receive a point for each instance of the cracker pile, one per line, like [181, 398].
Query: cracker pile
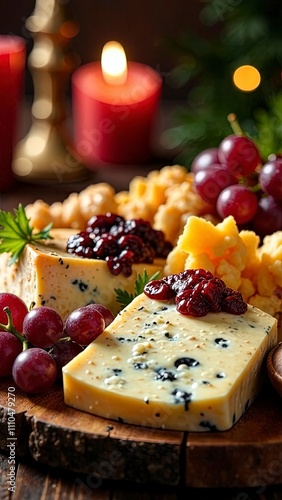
[165, 198]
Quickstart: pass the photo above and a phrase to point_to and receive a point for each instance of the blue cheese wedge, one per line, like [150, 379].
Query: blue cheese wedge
[155, 367]
[47, 275]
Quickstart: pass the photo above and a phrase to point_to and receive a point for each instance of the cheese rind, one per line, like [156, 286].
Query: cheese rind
[47, 275]
[155, 367]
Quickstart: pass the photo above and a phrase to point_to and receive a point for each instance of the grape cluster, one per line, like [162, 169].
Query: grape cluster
[196, 292]
[119, 242]
[35, 344]
[235, 181]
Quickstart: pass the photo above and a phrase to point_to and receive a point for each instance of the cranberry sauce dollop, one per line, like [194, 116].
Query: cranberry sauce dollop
[119, 242]
[196, 292]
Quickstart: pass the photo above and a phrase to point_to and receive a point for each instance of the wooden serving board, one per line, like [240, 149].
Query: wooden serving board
[248, 455]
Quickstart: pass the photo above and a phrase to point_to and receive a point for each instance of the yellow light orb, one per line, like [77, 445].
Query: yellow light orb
[246, 78]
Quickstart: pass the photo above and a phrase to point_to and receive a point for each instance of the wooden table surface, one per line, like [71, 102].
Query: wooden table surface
[36, 481]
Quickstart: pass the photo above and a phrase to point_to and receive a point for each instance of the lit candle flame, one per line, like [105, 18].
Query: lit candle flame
[114, 63]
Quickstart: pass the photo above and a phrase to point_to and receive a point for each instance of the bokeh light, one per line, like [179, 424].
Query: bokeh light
[246, 78]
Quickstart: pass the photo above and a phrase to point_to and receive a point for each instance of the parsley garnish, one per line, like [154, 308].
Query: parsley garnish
[16, 232]
[124, 298]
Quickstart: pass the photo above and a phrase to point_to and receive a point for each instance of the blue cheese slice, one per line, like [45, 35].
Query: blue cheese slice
[47, 275]
[155, 367]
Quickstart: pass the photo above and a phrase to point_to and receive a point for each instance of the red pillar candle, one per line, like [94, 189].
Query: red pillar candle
[114, 112]
[12, 65]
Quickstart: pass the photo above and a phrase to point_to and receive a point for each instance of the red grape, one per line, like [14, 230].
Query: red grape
[17, 307]
[205, 160]
[270, 178]
[84, 324]
[268, 218]
[210, 182]
[240, 155]
[106, 313]
[34, 370]
[239, 202]
[10, 347]
[43, 326]
[63, 352]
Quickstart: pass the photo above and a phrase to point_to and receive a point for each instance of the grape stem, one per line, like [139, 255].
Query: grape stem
[11, 328]
[256, 188]
[232, 118]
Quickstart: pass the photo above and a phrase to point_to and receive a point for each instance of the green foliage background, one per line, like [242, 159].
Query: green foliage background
[250, 32]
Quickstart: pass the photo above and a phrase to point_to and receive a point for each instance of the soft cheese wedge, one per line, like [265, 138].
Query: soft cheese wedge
[155, 367]
[47, 275]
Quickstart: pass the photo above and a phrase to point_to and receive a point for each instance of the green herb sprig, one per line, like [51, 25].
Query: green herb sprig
[124, 298]
[16, 232]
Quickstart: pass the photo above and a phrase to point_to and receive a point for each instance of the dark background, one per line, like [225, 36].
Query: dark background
[143, 27]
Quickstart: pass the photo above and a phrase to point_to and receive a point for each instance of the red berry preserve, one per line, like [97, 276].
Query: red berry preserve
[119, 242]
[196, 292]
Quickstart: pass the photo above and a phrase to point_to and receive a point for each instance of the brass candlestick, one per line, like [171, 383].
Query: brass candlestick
[46, 154]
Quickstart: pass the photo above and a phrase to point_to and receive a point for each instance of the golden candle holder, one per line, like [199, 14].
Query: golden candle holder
[46, 154]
